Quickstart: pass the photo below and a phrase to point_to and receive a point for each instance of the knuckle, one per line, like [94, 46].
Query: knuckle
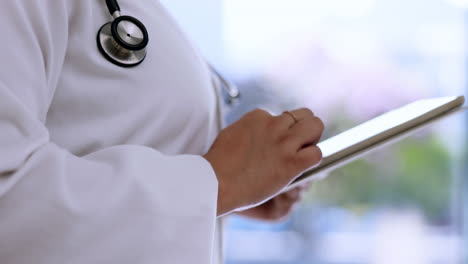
[307, 111]
[259, 115]
[260, 112]
[273, 125]
[299, 126]
[319, 123]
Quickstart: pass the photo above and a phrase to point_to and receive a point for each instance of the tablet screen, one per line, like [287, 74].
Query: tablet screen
[382, 128]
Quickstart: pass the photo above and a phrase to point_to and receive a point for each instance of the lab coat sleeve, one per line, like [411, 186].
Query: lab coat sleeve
[124, 204]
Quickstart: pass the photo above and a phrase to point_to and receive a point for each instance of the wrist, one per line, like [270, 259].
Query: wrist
[225, 201]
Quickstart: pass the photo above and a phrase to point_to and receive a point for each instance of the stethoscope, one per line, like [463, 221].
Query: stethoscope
[123, 42]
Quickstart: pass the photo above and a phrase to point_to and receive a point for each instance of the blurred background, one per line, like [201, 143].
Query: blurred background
[350, 60]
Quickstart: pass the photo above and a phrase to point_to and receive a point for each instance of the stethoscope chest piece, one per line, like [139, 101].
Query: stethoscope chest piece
[123, 41]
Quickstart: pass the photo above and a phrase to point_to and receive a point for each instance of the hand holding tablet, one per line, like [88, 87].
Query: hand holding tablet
[387, 128]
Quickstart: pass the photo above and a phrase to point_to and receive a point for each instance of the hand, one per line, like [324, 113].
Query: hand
[257, 156]
[278, 207]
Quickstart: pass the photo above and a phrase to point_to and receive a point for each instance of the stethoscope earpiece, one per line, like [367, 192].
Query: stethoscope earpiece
[122, 41]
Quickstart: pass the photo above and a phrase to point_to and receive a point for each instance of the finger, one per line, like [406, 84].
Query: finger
[287, 204]
[277, 211]
[302, 113]
[258, 114]
[305, 187]
[290, 118]
[281, 206]
[290, 196]
[306, 132]
[309, 157]
[294, 194]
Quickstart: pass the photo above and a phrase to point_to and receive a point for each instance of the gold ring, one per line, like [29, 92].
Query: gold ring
[291, 115]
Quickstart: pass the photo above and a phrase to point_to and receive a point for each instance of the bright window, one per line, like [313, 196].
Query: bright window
[350, 61]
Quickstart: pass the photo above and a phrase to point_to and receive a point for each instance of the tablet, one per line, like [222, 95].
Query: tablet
[382, 130]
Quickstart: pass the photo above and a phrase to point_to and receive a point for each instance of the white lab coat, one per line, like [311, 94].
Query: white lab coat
[100, 164]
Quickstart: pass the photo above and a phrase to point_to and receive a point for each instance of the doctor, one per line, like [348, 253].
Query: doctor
[102, 162]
